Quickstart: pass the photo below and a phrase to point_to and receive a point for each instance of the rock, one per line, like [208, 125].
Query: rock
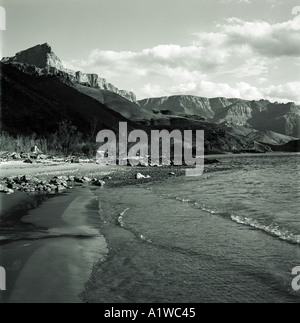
[107, 178]
[3, 189]
[99, 183]
[62, 178]
[28, 161]
[9, 191]
[141, 176]
[42, 156]
[24, 155]
[26, 178]
[16, 156]
[17, 180]
[86, 179]
[78, 180]
[172, 173]
[60, 188]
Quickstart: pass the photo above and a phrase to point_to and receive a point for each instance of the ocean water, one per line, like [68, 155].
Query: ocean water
[227, 236]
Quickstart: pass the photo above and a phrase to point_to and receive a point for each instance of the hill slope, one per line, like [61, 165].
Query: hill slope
[259, 115]
[37, 104]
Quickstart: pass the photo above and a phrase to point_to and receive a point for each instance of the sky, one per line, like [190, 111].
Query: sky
[211, 48]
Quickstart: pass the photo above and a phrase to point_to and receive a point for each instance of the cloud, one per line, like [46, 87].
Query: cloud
[236, 1]
[261, 37]
[282, 92]
[243, 59]
[279, 39]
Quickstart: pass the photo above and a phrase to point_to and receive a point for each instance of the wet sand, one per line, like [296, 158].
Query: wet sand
[58, 238]
[53, 265]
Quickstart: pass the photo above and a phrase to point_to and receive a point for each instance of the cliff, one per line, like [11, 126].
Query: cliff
[40, 60]
[256, 115]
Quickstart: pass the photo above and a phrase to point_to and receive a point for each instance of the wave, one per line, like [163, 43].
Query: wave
[122, 225]
[273, 229]
[121, 219]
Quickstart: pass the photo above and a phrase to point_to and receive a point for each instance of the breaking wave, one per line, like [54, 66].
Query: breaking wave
[273, 229]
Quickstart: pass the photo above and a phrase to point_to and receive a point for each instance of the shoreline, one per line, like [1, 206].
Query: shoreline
[57, 238]
[63, 224]
[53, 262]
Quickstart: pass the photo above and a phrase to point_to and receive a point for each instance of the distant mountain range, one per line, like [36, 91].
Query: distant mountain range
[260, 120]
[38, 92]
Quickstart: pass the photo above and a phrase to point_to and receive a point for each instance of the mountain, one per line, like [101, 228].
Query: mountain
[270, 137]
[117, 103]
[291, 146]
[232, 113]
[38, 93]
[41, 60]
[37, 104]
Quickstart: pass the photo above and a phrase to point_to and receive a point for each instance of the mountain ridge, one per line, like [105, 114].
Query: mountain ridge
[258, 120]
[41, 60]
[262, 115]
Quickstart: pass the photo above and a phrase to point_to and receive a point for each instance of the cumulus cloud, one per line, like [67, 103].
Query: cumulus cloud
[261, 37]
[236, 1]
[239, 59]
[279, 39]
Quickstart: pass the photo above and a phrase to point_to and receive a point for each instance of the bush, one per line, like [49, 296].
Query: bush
[67, 140]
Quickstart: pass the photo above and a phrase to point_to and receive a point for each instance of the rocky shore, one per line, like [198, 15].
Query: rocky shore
[87, 174]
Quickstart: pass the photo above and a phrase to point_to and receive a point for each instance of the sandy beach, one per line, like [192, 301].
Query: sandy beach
[50, 242]
[55, 260]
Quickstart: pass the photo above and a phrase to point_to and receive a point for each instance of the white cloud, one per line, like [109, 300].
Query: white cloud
[236, 1]
[274, 40]
[242, 59]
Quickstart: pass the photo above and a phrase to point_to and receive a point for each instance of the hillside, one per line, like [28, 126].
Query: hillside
[41, 60]
[259, 115]
[38, 93]
[37, 104]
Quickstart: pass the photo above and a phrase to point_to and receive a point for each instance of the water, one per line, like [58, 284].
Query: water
[227, 236]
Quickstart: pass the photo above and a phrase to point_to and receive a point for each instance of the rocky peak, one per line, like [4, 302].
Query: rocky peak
[40, 56]
[41, 60]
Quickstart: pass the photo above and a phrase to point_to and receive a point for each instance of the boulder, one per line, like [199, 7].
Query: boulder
[141, 176]
[26, 178]
[99, 182]
[28, 161]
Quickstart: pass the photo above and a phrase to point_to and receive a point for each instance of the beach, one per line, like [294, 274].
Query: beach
[50, 242]
[166, 238]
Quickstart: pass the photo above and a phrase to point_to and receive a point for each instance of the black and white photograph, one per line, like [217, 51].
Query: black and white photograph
[149, 154]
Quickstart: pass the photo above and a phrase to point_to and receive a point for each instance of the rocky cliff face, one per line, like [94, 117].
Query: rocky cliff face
[40, 60]
[40, 56]
[258, 115]
[180, 105]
